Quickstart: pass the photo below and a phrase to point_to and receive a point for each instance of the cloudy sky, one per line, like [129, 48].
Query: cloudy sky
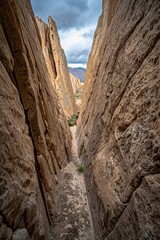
[76, 21]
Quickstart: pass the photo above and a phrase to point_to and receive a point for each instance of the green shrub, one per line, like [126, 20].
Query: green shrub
[72, 121]
[80, 168]
[78, 96]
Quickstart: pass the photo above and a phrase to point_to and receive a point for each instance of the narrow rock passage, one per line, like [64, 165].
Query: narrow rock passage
[71, 220]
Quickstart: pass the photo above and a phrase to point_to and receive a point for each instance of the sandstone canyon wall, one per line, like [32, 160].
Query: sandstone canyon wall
[57, 65]
[119, 124]
[76, 83]
[35, 139]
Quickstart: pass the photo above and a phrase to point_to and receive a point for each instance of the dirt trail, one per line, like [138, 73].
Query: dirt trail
[71, 220]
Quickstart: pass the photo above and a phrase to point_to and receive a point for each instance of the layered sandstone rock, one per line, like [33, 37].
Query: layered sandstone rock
[35, 138]
[57, 65]
[119, 124]
[76, 84]
[77, 88]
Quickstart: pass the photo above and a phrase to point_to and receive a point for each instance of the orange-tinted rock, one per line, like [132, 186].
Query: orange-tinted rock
[119, 124]
[35, 138]
[57, 65]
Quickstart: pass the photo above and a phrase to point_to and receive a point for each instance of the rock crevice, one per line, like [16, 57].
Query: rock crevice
[118, 127]
[57, 65]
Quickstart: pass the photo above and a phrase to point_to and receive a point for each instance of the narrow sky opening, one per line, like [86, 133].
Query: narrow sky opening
[76, 21]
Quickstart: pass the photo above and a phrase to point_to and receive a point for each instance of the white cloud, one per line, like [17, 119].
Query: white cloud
[77, 65]
[76, 20]
[76, 45]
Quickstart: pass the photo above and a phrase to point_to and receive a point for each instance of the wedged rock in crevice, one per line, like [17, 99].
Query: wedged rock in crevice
[57, 65]
[118, 128]
[35, 138]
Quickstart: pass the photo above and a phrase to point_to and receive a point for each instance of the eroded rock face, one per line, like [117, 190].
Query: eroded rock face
[76, 84]
[77, 88]
[57, 65]
[119, 124]
[35, 138]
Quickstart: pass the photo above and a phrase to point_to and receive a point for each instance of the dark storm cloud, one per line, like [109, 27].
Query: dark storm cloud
[73, 17]
[67, 18]
[81, 5]
[68, 13]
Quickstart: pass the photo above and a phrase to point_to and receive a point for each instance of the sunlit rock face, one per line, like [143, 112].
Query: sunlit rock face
[35, 139]
[77, 88]
[119, 124]
[57, 65]
[76, 83]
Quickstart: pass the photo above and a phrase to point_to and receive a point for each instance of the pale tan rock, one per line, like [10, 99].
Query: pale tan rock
[119, 126]
[46, 49]
[77, 88]
[76, 84]
[35, 138]
[57, 65]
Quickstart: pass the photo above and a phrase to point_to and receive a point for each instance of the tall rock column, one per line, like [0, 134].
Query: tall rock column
[119, 128]
[76, 83]
[57, 65]
[35, 139]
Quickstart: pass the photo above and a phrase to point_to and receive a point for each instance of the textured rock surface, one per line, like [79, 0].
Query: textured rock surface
[57, 65]
[35, 138]
[72, 218]
[119, 128]
[77, 88]
[21, 234]
[145, 217]
[76, 84]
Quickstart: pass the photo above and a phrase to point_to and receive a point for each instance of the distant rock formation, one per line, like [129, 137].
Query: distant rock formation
[78, 72]
[76, 84]
[57, 65]
[119, 128]
[77, 88]
[35, 139]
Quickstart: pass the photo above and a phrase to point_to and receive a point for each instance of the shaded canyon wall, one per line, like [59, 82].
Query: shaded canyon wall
[57, 65]
[119, 124]
[35, 139]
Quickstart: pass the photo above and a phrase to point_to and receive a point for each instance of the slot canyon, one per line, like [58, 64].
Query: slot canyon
[80, 162]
